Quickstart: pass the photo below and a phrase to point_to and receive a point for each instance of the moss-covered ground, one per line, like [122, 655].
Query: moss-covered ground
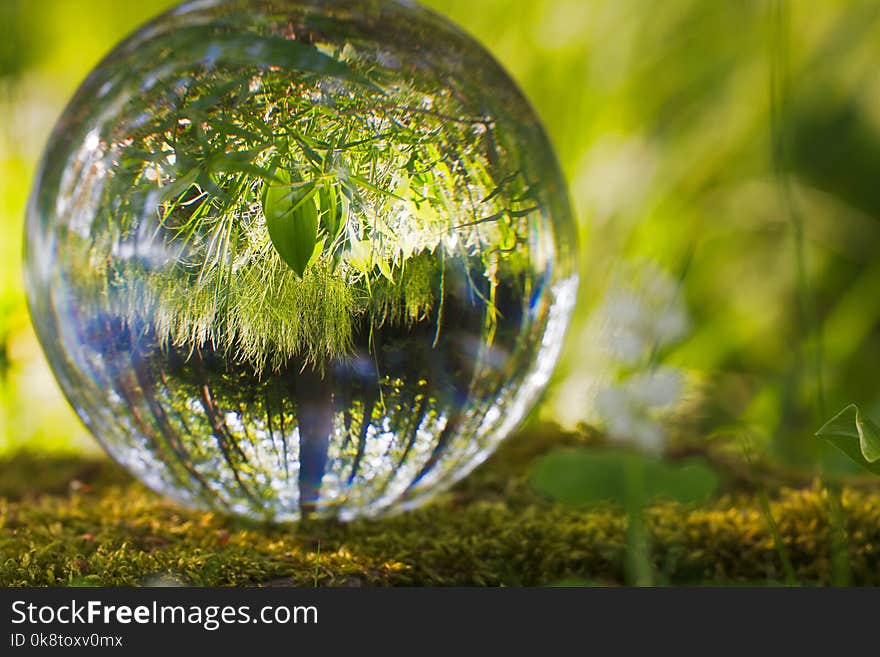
[77, 520]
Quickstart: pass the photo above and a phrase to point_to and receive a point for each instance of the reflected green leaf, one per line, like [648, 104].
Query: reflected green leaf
[292, 220]
[242, 50]
[332, 212]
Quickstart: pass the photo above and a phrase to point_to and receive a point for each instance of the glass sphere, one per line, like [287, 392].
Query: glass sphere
[298, 258]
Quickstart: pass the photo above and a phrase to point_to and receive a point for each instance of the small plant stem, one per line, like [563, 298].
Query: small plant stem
[841, 569]
[779, 544]
[442, 298]
[767, 512]
[638, 568]
[806, 297]
[779, 111]
[317, 562]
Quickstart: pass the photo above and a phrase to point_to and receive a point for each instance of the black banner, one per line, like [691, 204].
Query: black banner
[131, 621]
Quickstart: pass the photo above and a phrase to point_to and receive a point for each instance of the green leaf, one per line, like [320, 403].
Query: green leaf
[366, 184]
[181, 185]
[317, 251]
[238, 162]
[855, 435]
[307, 146]
[360, 255]
[500, 188]
[286, 53]
[332, 212]
[586, 477]
[385, 269]
[237, 50]
[508, 236]
[208, 101]
[292, 219]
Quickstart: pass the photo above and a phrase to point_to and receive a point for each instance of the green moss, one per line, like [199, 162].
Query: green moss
[69, 520]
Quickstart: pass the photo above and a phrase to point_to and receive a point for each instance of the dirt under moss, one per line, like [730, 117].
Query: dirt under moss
[82, 521]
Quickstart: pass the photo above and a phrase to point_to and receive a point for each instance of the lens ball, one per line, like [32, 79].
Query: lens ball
[300, 259]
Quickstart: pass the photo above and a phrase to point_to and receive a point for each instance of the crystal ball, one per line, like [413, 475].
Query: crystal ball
[300, 258]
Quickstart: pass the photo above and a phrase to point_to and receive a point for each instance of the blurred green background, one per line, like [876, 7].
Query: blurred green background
[723, 160]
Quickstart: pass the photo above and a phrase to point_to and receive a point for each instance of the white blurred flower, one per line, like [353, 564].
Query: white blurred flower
[671, 326]
[658, 389]
[633, 411]
[618, 383]
[643, 312]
